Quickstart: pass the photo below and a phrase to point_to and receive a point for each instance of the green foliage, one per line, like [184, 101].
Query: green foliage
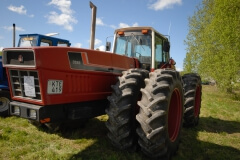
[213, 42]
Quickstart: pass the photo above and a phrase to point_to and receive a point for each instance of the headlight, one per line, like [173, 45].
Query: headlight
[16, 110]
[32, 114]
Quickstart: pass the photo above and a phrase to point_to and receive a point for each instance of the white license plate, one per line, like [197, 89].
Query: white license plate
[55, 87]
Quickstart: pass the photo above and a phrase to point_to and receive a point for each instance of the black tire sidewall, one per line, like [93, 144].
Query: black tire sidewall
[5, 94]
[153, 116]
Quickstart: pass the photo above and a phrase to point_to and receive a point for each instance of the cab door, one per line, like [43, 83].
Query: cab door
[161, 53]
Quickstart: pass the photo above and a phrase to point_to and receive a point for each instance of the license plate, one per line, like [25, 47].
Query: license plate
[55, 87]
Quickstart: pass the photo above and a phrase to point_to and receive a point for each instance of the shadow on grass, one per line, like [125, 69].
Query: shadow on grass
[101, 149]
[213, 125]
[191, 148]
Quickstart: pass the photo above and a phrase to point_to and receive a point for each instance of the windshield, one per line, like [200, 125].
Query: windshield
[28, 41]
[134, 45]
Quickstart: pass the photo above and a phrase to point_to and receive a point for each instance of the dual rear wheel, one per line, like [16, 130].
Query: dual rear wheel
[147, 110]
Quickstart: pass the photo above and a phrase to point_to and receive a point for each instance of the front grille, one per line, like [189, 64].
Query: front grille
[17, 81]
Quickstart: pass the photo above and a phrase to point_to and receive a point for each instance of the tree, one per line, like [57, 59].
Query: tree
[213, 42]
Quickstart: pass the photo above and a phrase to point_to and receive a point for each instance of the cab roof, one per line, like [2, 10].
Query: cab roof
[44, 36]
[139, 28]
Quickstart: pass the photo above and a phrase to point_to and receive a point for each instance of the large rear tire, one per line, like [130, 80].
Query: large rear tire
[161, 114]
[123, 108]
[193, 94]
[4, 103]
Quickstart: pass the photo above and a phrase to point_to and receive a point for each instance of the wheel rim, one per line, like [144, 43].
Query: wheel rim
[4, 103]
[174, 115]
[197, 102]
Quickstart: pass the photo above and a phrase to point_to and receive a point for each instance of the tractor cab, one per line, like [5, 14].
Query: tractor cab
[29, 40]
[145, 44]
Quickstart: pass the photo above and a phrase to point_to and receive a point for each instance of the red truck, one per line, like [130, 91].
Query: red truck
[136, 85]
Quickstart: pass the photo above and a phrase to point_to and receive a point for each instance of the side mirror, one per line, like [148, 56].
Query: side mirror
[166, 46]
[108, 46]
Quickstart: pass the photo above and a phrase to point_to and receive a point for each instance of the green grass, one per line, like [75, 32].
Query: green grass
[216, 137]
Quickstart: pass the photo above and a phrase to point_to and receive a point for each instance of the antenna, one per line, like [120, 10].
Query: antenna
[169, 28]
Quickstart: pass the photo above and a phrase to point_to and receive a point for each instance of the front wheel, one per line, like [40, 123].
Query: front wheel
[161, 113]
[123, 107]
[4, 103]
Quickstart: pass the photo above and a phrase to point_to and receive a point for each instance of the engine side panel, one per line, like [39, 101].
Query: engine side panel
[66, 75]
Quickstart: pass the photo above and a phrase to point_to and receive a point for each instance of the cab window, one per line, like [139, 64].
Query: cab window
[161, 57]
[27, 41]
[158, 51]
[46, 42]
[62, 44]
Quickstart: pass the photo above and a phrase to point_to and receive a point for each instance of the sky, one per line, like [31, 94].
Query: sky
[71, 19]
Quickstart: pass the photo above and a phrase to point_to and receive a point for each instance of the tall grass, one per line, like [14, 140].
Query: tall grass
[216, 137]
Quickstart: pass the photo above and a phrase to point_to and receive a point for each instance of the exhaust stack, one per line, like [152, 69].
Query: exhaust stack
[14, 34]
[93, 26]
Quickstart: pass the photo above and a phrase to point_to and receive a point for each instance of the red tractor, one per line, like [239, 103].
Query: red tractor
[145, 98]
